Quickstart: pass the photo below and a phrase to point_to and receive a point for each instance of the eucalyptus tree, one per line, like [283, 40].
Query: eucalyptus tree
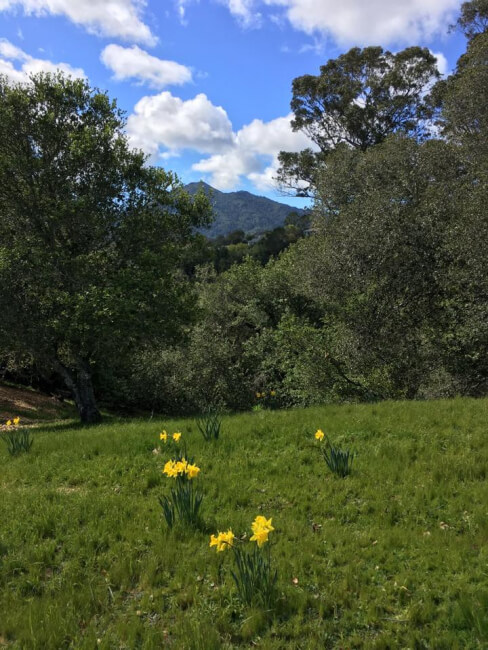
[358, 99]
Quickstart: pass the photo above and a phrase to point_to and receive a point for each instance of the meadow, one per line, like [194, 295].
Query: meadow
[393, 556]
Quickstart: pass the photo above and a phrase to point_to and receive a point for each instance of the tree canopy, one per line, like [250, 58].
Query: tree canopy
[357, 99]
[90, 236]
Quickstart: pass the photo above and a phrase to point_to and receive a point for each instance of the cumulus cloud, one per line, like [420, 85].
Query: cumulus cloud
[137, 64]
[163, 126]
[357, 22]
[254, 154]
[10, 53]
[114, 18]
[164, 121]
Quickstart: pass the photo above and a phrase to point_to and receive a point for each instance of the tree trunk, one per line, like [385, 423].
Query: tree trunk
[79, 381]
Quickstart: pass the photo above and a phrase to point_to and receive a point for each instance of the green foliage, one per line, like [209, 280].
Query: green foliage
[358, 99]
[183, 503]
[254, 576]
[339, 461]
[473, 19]
[18, 441]
[95, 236]
[210, 424]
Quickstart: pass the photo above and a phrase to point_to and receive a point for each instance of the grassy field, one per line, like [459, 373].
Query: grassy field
[393, 556]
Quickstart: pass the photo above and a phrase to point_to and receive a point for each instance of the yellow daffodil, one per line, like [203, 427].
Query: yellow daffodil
[272, 393]
[181, 466]
[228, 538]
[319, 434]
[192, 471]
[176, 436]
[260, 536]
[258, 395]
[16, 420]
[163, 436]
[261, 523]
[170, 469]
[222, 540]
[8, 423]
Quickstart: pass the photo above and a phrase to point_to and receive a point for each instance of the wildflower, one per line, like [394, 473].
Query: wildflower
[222, 540]
[9, 423]
[260, 536]
[227, 538]
[261, 523]
[176, 437]
[263, 394]
[192, 471]
[181, 466]
[272, 393]
[319, 434]
[163, 436]
[170, 469]
[16, 420]
[258, 395]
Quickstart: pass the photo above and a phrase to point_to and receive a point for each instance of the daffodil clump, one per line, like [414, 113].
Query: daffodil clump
[339, 461]
[185, 499]
[164, 436]
[264, 394]
[253, 575]
[265, 399]
[180, 468]
[222, 541]
[18, 440]
[13, 423]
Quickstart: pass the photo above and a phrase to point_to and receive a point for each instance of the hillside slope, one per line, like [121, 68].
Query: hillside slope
[393, 556]
[242, 211]
[31, 405]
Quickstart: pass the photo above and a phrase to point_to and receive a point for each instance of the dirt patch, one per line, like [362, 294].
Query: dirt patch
[30, 405]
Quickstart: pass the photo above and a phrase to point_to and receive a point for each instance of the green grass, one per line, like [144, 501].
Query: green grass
[393, 556]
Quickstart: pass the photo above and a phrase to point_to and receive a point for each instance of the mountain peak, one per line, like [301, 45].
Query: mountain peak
[242, 211]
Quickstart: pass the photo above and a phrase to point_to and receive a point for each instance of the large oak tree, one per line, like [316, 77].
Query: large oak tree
[90, 235]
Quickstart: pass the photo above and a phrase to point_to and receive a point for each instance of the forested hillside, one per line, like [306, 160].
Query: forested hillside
[108, 289]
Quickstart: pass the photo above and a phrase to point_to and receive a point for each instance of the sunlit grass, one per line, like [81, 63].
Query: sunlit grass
[394, 555]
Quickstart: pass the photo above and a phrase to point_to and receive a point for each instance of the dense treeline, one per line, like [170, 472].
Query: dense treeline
[388, 295]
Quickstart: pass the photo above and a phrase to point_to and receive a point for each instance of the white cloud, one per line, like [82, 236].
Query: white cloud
[442, 63]
[166, 121]
[244, 11]
[367, 22]
[114, 18]
[163, 126]
[254, 154]
[29, 64]
[134, 63]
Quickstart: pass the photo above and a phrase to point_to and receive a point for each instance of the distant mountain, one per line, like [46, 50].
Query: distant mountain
[242, 211]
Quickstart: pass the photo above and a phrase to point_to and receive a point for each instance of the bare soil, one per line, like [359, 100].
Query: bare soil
[30, 405]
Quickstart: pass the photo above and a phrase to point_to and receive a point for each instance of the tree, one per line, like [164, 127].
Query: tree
[461, 99]
[381, 265]
[357, 99]
[90, 237]
[473, 19]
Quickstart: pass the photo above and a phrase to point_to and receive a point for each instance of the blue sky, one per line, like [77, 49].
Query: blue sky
[206, 84]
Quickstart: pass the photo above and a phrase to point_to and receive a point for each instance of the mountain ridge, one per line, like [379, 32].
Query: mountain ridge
[242, 210]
